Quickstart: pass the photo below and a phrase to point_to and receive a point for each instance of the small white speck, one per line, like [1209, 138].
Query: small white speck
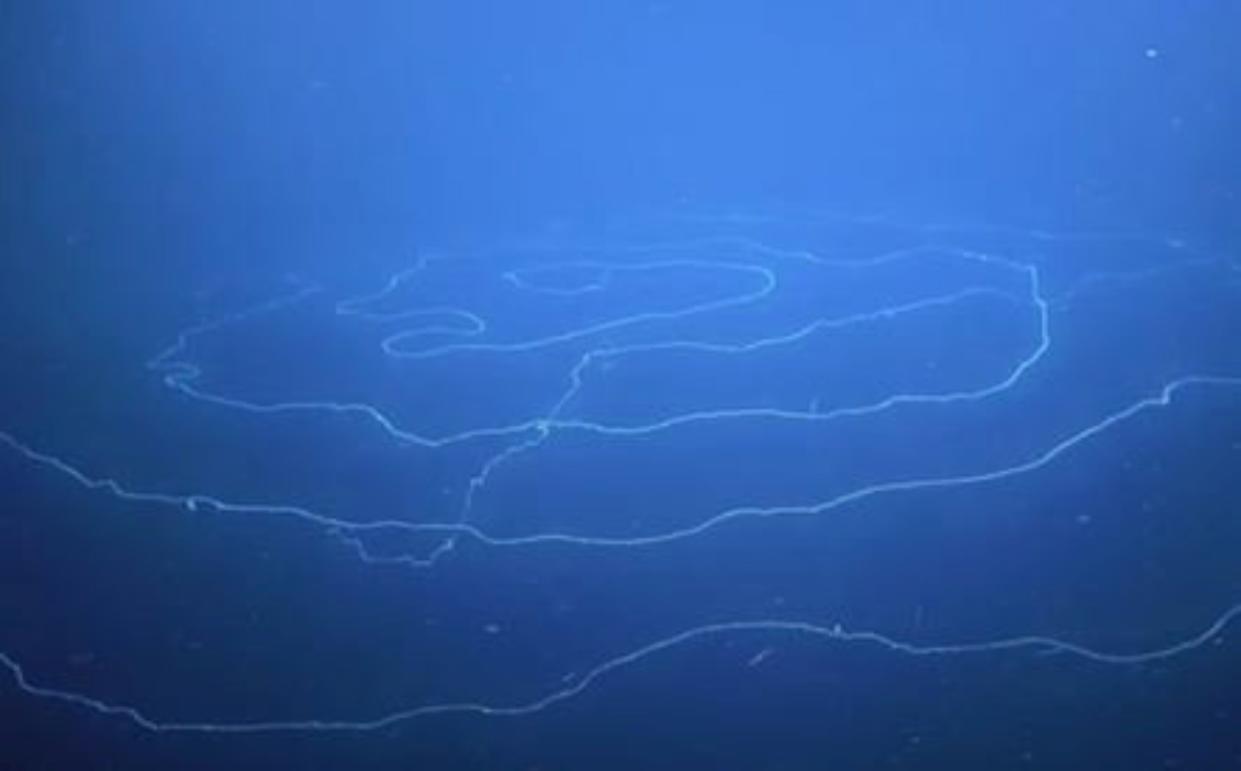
[1152, 53]
[760, 657]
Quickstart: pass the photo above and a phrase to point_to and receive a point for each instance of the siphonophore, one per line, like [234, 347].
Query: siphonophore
[490, 483]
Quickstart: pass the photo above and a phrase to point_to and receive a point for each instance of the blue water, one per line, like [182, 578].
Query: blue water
[620, 386]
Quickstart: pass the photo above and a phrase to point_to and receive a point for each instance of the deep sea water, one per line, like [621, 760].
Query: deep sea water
[770, 486]
[577, 386]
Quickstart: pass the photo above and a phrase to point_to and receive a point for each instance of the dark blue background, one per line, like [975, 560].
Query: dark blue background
[163, 161]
